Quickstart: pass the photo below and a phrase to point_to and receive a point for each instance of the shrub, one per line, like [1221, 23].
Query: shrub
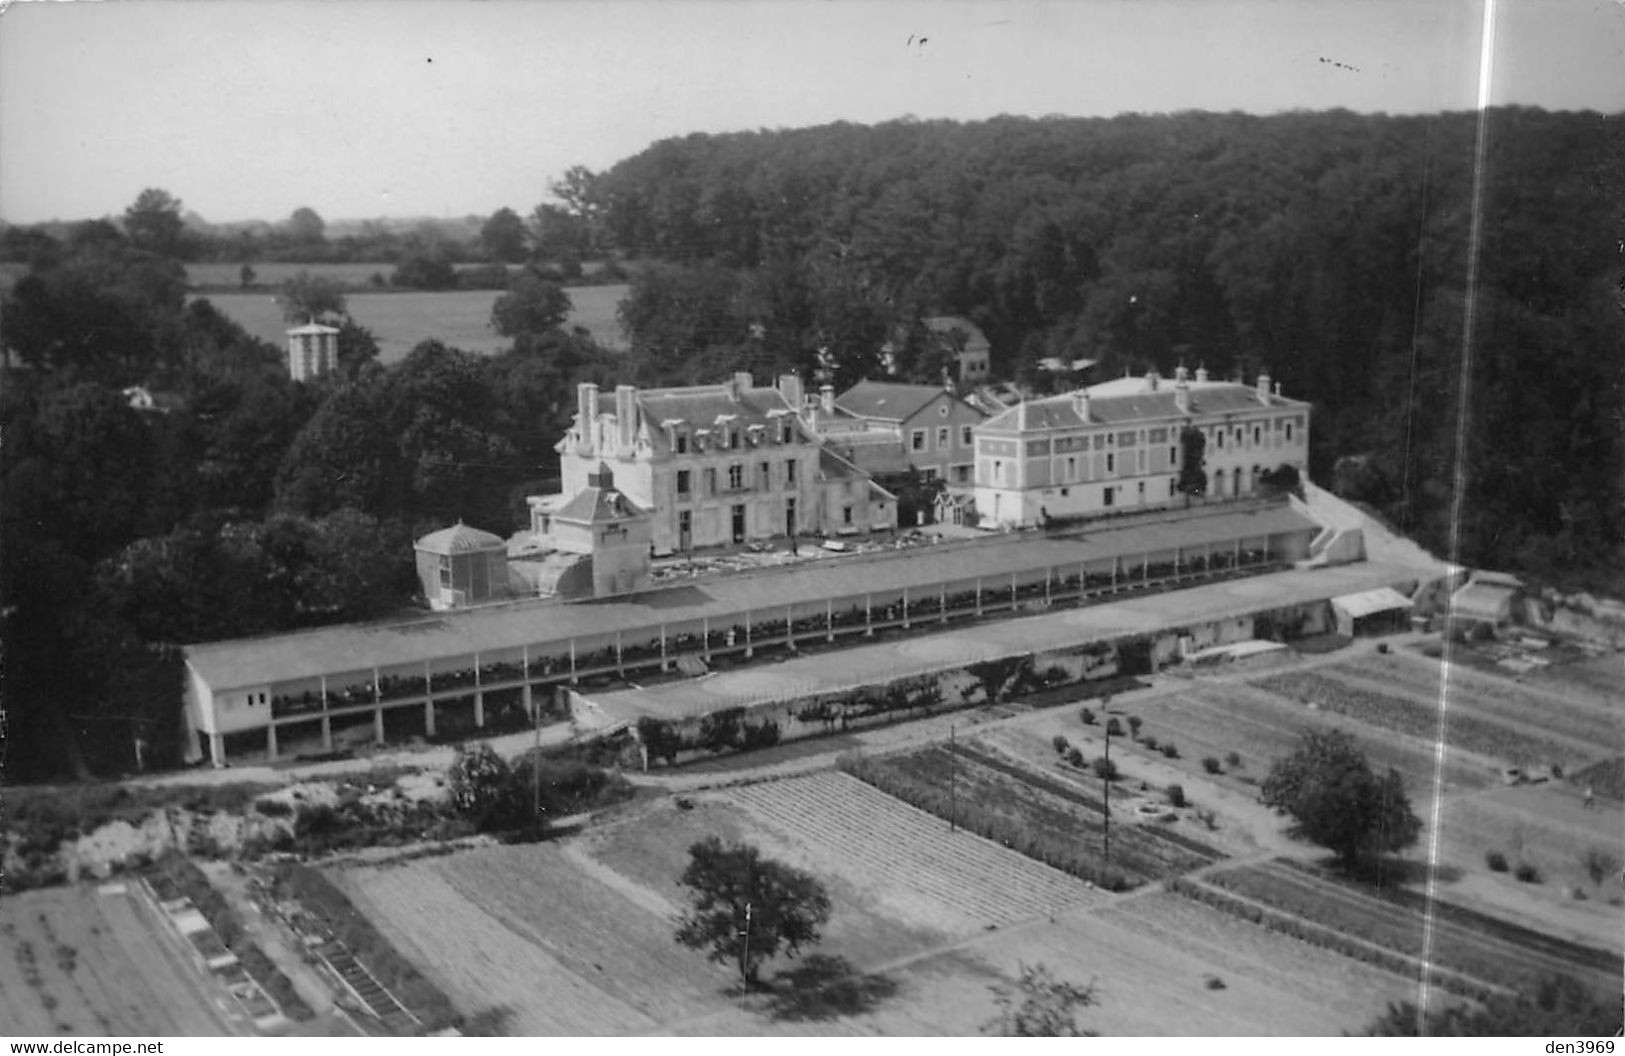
[1075, 757]
[1171, 750]
[1211, 764]
[1527, 873]
[1496, 861]
[1233, 760]
[1176, 795]
[1061, 744]
[1150, 742]
[1087, 715]
[1208, 818]
[765, 735]
[1104, 768]
[1113, 727]
[722, 730]
[1134, 724]
[1599, 864]
[273, 808]
[1557, 771]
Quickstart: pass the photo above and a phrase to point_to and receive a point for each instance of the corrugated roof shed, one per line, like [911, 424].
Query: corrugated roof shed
[1367, 602]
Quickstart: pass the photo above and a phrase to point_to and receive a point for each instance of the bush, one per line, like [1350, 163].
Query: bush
[765, 735]
[1113, 727]
[1527, 873]
[1233, 760]
[1210, 763]
[1176, 795]
[1171, 750]
[1061, 744]
[1104, 768]
[1087, 715]
[1075, 757]
[1134, 724]
[1599, 864]
[273, 808]
[1150, 742]
[1496, 861]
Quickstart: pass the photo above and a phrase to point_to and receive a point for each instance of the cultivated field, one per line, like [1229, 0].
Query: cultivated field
[1477, 954]
[76, 961]
[400, 320]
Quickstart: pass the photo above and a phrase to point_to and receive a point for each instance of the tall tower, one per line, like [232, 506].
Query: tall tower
[313, 350]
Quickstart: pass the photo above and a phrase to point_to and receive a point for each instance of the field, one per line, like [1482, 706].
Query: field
[400, 320]
[1478, 953]
[1503, 739]
[76, 961]
[1047, 818]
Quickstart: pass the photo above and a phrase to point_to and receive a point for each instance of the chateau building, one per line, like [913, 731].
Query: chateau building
[929, 425]
[716, 465]
[1117, 446]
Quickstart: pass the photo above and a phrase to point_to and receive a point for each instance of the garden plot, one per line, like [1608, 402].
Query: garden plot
[1501, 740]
[1476, 948]
[522, 939]
[1477, 693]
[1044, 818]
[909, 853]
[76, 961]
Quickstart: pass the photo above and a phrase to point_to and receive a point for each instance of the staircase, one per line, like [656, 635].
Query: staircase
[373, 996]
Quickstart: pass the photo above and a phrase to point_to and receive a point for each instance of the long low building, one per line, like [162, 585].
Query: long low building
[378, 682]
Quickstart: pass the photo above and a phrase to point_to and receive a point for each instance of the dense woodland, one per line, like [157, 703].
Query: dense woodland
[1331, 249]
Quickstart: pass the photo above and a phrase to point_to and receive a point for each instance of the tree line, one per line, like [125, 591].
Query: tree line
[1329, 248]
[238, 501]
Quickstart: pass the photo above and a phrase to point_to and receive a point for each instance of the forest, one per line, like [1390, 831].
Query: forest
[1332, 249]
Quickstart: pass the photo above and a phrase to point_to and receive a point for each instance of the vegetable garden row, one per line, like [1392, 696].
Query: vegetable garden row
[1474, 953]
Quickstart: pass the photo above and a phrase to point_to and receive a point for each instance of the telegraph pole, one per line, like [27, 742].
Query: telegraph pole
[953, 767]
[1106, 779]
[744, 956]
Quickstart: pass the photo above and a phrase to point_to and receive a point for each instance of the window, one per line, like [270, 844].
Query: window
[1289, 432]
[736, 476]
[1071, 469]
[1106, 496]
[1218, 435]
[998, 471]
[916, 440]
[1170, 488]
[682, 443]
[1065, 492]
[733, 439]
[1258, 435]
[1111, 463]
[929, 473]
[962, 474]
[786, 433]
[1142, 491]
[711, 480]
[965, 438]
[684, 481]
[790, 473]
[1173, 456]
[764, 476]
[846, 515]
[1141, 460]
[943, 435]
[445, 573]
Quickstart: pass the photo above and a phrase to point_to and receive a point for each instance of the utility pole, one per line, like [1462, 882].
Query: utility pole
[953, 768]
[536, 763]
[744, 955]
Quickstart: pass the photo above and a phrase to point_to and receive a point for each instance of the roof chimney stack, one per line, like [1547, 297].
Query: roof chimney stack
[586, 413]
[790, 389]
[1080, 403]
[826, 398]
[1182, 393]
[1201, 375]
[626, 409]
[1264, 386]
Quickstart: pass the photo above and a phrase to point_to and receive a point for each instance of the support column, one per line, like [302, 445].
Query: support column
[573, 661]
[270, 742]
[705, 638]
[829, 619]
[428, 718]
[868, 615]
[665, 665]
[327, 733]
[528, 696]
[978, 596]
[217, 749]
[378, 724]
[942, 601]
[750, 648]
[479, 707]
[905, 608]
[790, 626]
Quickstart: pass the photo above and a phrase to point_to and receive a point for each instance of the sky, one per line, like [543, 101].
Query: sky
[370, 108]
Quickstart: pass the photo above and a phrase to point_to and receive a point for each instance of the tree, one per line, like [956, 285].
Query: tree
[1559, 1006]
[504, 236]
[306, 229]
[482, 785]
[429, 269]
[1336, 800]
[306, 298]
[532, 305]
[747, 908]
[154, 223]
[1039, 1006]
[1193, 462]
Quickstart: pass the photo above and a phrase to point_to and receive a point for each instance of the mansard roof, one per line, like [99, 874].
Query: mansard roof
[1062, 412]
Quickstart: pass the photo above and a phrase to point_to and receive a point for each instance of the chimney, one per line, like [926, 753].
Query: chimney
[1152, 380]
[1277, 390]
[1181, 374]
[790, 389]
[741, 382]
[1182, 393]
[1264, 386]
[626, 409]
[586, 413]
[826, 398]
[1080, 403]
[1201, 375]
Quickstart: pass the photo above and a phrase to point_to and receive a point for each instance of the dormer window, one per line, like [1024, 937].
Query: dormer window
[680, 443]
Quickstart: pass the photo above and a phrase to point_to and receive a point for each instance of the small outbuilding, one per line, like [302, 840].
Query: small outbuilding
[1371, 612]
[313, 350]
[460, 566]
[1489, 599]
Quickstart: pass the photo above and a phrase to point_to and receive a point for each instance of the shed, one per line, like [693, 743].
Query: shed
[1488, 599]
[1381, 611]
[460, 566]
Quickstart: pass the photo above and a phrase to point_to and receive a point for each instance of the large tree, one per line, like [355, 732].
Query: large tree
[154, 223]
[748, 908]
[503, 236]
[312, 298]
[532, 305]
[1336, 800]
[1039, 1006]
